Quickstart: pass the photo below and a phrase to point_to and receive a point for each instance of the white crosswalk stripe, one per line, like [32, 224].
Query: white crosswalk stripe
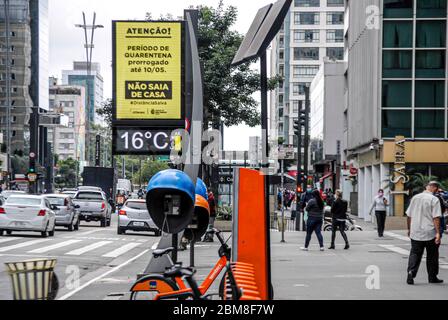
[405, 252]
[55, 246]
[397, 236]
[23, 244]
[8, 240]
[86, 249]
[120, 251]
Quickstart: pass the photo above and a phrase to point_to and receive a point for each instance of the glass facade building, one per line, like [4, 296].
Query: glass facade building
[414, 69]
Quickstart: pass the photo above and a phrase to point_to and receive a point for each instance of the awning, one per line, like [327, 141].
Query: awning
[328, 175]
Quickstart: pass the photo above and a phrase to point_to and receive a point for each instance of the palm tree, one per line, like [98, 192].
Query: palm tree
[418, 183]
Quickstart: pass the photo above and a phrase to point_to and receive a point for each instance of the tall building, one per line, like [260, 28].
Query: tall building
[396, 103]
[93, 83]
[28, 85]
[313, 30]
[327, 124]
[69, 141]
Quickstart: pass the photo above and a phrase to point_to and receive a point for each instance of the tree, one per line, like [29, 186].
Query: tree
[148, 170]
[66, 175]
[228, 91]
[105, 111]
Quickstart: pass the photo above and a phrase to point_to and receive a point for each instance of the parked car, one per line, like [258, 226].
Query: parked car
[27, 213]
[93, 206]
[67, 214]
[134, 216]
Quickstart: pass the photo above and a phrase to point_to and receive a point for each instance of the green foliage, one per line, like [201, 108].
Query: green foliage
[228, 91]
[148, 170]
[66, 174]
[105, 111]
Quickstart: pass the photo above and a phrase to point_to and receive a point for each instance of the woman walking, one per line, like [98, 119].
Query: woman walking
[339, 215]
[315, 210]
[380, 205]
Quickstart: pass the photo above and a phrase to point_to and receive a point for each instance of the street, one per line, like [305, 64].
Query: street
[108, 264]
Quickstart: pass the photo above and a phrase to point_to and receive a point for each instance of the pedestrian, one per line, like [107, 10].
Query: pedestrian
[440, 194]
[212, 204]
[315, 210]
[279, 199]
[380, 205]
[339, 219]
[424, 215]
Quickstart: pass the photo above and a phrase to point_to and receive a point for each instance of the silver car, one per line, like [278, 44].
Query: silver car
[6, 194]
[134, 216]
[71, 194]
[27, 213]
[67, 214]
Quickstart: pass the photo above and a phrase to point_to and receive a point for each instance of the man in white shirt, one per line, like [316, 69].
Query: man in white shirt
[424, 230]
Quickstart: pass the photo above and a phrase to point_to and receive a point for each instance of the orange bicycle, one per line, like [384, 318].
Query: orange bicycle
[172, 286]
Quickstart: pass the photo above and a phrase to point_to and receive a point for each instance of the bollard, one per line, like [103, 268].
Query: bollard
[33, 279]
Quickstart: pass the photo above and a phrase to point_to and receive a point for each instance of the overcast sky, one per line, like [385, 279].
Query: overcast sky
[67, 42]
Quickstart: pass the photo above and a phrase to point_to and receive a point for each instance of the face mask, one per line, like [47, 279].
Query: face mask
[309, 190]
[381, 194]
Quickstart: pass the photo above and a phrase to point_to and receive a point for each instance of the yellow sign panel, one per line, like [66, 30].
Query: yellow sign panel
[148, 70]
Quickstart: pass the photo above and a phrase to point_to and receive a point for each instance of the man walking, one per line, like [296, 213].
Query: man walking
[424, 230]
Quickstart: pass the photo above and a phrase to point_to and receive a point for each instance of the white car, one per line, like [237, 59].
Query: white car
[134, 216]
[27, 213]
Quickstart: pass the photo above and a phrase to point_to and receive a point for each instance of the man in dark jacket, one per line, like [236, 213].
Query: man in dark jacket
[212, 204]
[339, 215]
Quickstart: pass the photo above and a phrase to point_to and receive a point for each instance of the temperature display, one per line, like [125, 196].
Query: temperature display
[141, 141]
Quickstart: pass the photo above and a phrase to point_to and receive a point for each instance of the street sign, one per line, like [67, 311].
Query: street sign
[32, 177]
[286, 153]
[148, 70]
[98, 150]
[143, 141]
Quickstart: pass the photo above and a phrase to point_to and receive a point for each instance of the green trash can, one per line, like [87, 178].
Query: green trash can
[33, 279]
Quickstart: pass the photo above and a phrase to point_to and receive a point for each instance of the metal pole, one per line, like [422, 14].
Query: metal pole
[8, 91]
[307, 134]
[300, 214]
[282, 202]
[193, 242]
[265, 142]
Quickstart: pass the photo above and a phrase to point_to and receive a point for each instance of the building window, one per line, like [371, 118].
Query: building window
[429, 124]
[299, 88]
[306, 18]
[335, 3]
[306, 53]
[307, 3]
[335, 53]
[307, 71]
[430, 94]
[307, 36]
[431, 34]
[280, 113]
[398, 8]
[335, 35]
[430, 64]
[295, 106]
[398, 34]
[335, 18]
[431, 8]
[397, 64]
[397, 123]
[397, 94]
[281, 55]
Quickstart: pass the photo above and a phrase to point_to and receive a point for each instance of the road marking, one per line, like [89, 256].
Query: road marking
[154, 247]
[23, 244]
[55, 246]
[89, 232]
[8, 240]
[92, 247]
[118, 252]
[397, 236]
[407, 253]
[68, 295]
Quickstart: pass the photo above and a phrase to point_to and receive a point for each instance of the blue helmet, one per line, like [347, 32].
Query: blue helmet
[173, 179]
[201, 189]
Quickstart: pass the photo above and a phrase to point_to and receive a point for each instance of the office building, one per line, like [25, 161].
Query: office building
[69, 141]
[312, 31]
[396, 103]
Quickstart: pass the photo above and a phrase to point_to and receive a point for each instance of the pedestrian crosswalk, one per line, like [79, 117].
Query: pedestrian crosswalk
[69, 247]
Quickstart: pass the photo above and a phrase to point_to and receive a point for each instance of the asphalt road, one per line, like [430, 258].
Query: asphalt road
[93, 255]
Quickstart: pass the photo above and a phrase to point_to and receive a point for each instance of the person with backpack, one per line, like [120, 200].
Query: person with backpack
[315, 210]
[380, 205]
[339, 218]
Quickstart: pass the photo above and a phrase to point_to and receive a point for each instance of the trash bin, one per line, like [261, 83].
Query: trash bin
[33, 279]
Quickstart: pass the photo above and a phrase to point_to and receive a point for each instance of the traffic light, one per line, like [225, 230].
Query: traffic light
[32, 165]
[302, 117]
[297, 128]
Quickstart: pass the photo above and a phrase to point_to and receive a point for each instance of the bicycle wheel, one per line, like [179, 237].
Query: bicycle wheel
[147, 288]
